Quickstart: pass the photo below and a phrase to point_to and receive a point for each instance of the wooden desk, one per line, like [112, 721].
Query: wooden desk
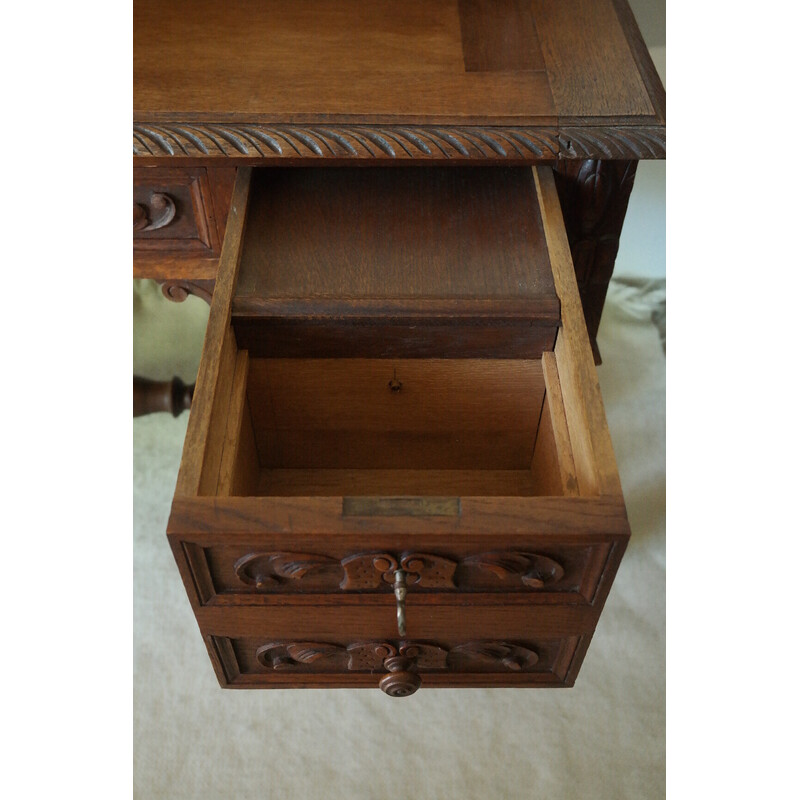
[266, 82]
[397, 401]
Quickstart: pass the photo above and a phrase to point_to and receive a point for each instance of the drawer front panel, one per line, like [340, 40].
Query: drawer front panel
[173, 212]
[235, 574]
[398, 666]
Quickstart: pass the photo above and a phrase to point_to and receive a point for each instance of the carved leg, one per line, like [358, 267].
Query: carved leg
[594, 198]
[152, 396]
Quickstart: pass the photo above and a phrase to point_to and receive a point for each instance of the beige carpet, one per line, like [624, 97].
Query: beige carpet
[602, 739]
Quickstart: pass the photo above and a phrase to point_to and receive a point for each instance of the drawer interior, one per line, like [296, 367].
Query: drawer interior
[271, 424]
[338, 427]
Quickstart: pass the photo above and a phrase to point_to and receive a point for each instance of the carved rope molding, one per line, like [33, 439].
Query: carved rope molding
[397, 142]
[371, 571]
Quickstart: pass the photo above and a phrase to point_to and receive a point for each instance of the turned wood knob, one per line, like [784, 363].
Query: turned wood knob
[157, 215]
[153, 396]
[400, 684]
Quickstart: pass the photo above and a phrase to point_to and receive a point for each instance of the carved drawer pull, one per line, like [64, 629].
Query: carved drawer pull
[160, 213]
[400, 681]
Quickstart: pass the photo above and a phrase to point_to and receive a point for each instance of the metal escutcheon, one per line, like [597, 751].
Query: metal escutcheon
[400, 591]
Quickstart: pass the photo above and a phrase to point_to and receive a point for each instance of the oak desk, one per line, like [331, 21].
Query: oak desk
[223, 89]
[218, 85]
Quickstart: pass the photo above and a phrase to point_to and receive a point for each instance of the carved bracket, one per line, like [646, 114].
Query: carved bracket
[594, 198]
[375, 571]
[178, 290]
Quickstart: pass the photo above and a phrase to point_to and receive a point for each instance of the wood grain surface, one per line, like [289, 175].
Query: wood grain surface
[384, 262]
[213, 386]
[593, 451]
[390, 80]
[381, 234]
[441, 414]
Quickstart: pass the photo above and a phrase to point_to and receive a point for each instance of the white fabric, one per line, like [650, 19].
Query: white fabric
[602, 739]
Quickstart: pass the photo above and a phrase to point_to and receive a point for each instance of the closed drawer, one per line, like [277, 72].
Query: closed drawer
[173, 211]
[540, 569]
[179, 217]
[398, 667]
[307, 484]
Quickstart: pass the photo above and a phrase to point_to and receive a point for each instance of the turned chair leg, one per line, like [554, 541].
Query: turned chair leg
[152, 396]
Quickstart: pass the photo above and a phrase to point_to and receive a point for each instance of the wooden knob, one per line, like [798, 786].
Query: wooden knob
[158, 214]
[152, 396]
[400, 684]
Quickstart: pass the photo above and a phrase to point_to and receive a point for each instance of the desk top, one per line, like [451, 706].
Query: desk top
[478, 80]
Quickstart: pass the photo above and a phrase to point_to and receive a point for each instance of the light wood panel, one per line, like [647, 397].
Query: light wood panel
[394, 482]
[553, 468]
[324, 413]
[236, 434]
[593, 452]
[212, 389]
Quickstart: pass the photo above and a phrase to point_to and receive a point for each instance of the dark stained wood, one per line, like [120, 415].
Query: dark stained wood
[179, 222]
[393, 337]
[373, 617]
[380, 234]
[594, 199]
[152, 396]
[551, 572]
[173, 211]
[254, 663]
[389, 262]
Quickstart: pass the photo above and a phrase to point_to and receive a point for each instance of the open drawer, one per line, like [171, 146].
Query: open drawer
[395, 516]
